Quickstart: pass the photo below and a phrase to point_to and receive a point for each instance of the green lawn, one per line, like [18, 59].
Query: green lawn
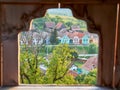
[79, 64]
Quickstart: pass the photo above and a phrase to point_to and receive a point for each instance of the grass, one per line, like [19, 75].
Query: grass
[79, 64]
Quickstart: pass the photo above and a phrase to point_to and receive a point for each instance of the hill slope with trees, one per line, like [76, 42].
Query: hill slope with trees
[66, 20]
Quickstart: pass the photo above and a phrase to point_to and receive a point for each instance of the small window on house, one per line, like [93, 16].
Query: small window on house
[49, 53]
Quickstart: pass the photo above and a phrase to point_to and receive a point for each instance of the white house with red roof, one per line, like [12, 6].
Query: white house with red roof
[76, 37]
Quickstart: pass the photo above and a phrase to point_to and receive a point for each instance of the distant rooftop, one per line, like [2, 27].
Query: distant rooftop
[60, 11]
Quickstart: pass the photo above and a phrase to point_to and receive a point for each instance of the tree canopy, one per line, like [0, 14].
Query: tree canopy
[89, 78]
[62, 58]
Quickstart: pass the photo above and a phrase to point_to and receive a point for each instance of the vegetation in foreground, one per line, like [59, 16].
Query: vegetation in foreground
[61, 59]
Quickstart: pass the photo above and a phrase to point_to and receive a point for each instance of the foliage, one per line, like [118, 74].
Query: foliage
[68, 24]
[30, 60]
[68, 79]
[57, 19]
[57, 66]
[60, 62]
[89, 78]
[30, 71]
[93, 49]
[53, 38]
[78, 64]
[89, 49]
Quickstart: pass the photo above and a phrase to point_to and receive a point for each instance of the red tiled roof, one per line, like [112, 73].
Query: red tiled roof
[73, 73]
[59, 25]
[90, 63]
[71, 35]
[49, 24]
[80, 35]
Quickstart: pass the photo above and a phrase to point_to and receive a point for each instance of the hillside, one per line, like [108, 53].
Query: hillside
[68, 21]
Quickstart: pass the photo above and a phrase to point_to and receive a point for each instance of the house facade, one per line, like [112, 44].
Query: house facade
[76, 37]
[65, 40]
[76, 40]
[85, 40]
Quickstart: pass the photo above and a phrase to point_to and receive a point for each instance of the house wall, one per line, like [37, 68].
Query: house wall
[101, 18]
[65, 39]
[84, 42]
[76, 40]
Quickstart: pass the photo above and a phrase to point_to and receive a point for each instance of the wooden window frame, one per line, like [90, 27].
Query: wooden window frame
[93, 22]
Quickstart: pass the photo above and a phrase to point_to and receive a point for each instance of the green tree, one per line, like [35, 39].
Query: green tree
[62, 59]
[30, 60]
[29, 69]
[93, 49]
[53, 38]
[58, 19]
[69, 24]
[90, 78]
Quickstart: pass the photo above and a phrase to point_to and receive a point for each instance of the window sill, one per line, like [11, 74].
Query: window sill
[42, 87]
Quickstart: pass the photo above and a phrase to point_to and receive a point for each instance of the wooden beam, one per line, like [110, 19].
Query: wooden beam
[100, 15]
[0, 47]
[116, 77]
[38, 2]
[57, 1]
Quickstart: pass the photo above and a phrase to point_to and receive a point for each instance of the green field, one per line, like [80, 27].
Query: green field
[79, 64]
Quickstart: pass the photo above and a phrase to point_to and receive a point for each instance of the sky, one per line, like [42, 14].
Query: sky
[60, 11]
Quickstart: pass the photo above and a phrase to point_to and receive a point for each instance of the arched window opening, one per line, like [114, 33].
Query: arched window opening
[58, 49]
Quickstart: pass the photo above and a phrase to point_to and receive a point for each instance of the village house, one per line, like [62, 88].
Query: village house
[75, 28]
[60, 26]
[61, 33]
[94, 38]
[33, 37]
[23, 40]
[76, 37]
[74, 68]
[49, 26]
[90, 64]
[85, 40]
[65, 40]
[72, 73]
